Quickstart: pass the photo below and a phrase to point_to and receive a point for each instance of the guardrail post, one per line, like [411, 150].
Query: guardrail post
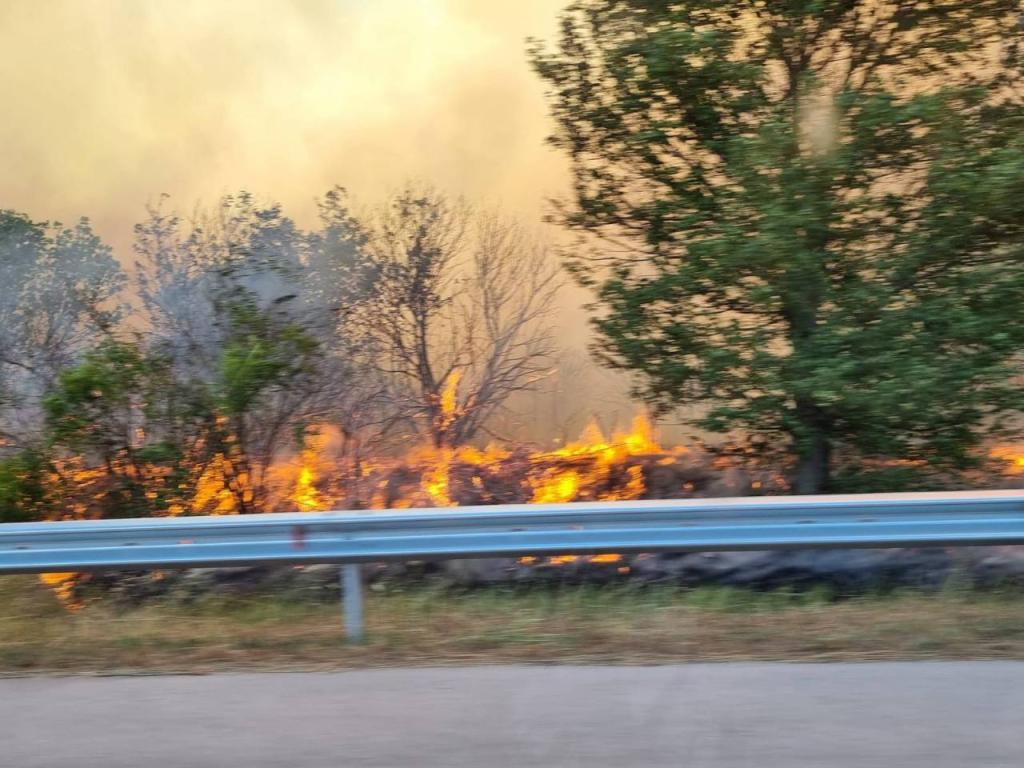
[352, 601]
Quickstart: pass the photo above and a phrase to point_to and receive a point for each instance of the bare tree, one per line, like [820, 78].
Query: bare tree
[259, 311]
[60, 292]
[221, 294]
[185, 266]
[462, 311]
[337, 282]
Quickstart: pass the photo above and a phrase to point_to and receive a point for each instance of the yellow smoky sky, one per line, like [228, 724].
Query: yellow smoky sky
[109, 103]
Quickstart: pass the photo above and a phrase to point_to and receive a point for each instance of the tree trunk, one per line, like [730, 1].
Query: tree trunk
[812, 470]
[814, 451]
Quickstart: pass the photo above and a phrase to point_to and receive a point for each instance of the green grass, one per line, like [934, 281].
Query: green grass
[577, 624]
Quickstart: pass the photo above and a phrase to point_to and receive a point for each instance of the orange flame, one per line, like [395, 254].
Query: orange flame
[449, 397]
[1013, 455]
[555, 487]
[590, 461]
[306, 496]
[63, 585]
[435, 478]
[212, 495]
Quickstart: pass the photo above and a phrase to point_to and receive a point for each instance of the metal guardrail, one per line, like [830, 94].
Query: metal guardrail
[868, 520]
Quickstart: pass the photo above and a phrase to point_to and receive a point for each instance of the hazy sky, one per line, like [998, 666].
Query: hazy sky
[108, 103]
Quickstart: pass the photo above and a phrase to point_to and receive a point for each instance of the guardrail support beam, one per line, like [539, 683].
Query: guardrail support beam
[352, 601]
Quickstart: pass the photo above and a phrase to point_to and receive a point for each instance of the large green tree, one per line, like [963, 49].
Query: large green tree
[806, 214]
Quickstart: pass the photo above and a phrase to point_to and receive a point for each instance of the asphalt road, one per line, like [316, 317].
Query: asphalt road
[932, 715]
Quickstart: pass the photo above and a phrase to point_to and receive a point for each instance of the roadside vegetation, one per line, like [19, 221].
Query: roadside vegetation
[798, 224]
[571, 625]
[800, 230]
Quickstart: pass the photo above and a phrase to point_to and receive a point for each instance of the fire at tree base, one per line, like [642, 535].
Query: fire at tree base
[629, 465]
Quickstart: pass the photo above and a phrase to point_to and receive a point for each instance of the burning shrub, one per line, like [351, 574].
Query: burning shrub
[629, 465]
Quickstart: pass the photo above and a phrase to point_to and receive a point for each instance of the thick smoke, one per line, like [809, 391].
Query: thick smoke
[286, 99]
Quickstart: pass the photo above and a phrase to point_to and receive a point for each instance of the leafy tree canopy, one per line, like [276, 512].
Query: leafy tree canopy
[808, 213]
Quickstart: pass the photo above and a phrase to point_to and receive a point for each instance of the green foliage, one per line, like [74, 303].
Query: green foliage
[814, 214]
[23, 487]
[263, 351]
[860, 479]
[266, 368]
[133, 430]
[87, 409]
[122, 410]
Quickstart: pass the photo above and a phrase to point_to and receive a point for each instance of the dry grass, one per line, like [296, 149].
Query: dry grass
[567, 625]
